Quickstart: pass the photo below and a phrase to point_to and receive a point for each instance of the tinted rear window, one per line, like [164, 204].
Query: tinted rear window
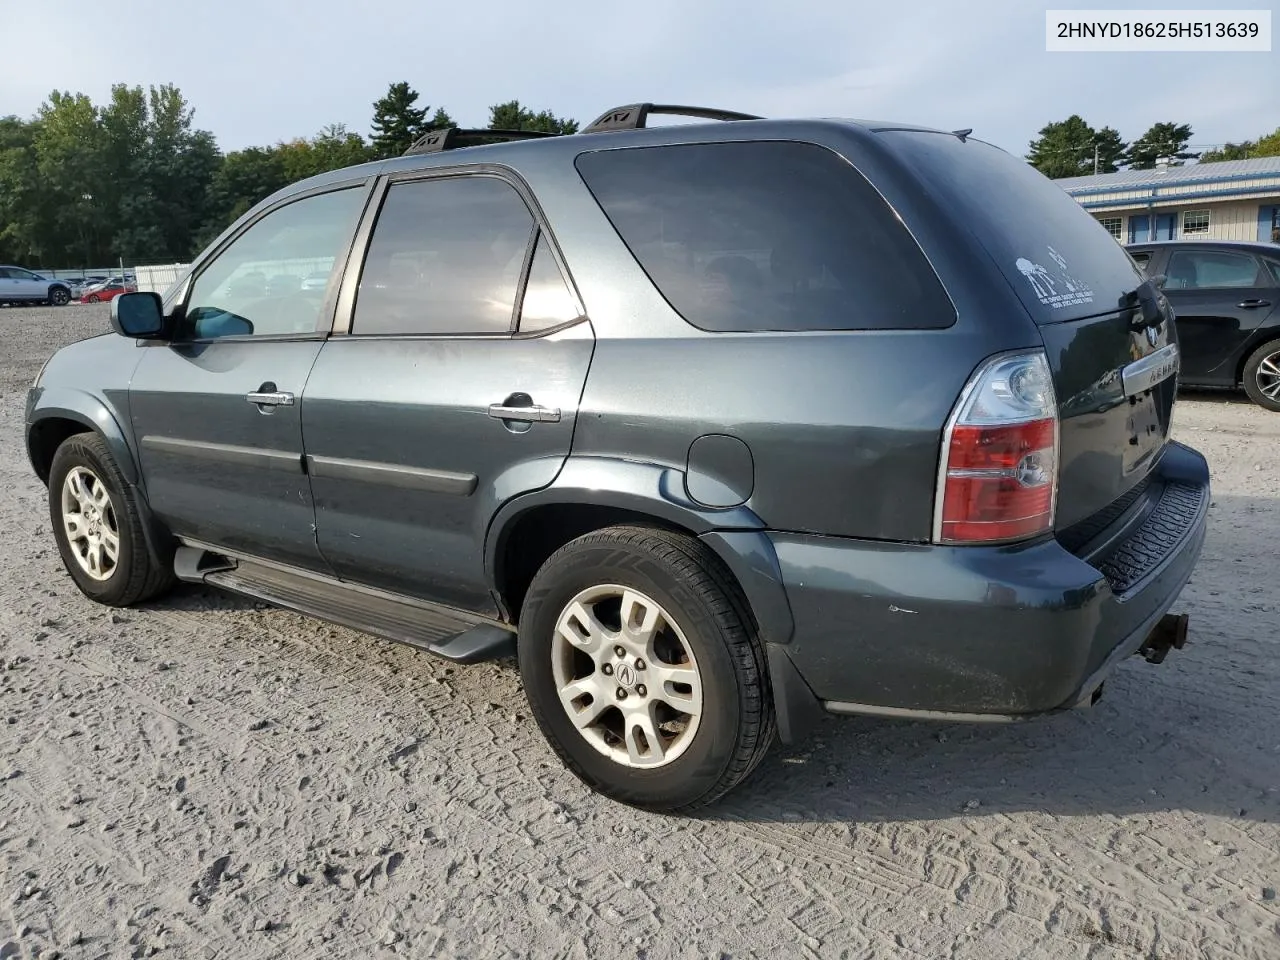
[757, 236]
[1062, 262]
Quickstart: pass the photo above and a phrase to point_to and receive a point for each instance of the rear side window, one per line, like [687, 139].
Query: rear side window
[756, 236]
[1063, 264]
[1210, 270]
[445, 257]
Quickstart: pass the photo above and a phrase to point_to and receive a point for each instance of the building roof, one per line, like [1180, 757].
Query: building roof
[1173, 176]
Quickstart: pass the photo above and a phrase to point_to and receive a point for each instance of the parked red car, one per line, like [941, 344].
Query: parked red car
[104, 292]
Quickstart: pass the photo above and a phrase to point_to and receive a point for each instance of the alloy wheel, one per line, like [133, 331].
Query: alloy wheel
[89, 519]
[1268, 376]
[626, 676]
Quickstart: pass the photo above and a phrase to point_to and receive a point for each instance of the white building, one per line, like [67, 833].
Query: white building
[1232, 200]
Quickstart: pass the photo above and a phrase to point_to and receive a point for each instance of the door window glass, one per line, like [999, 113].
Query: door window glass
[547, 301]
[1207, 270]
[445, 258]
[273, 278]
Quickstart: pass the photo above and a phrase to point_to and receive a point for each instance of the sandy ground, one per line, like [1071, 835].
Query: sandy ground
[205, 777]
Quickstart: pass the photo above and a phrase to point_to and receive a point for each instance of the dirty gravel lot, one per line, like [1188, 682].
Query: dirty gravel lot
[205, 777]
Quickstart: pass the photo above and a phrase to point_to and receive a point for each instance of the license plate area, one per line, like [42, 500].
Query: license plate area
[1146, 430]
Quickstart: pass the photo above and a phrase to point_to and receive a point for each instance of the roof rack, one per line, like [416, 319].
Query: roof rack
[633, 116]
[451, 138]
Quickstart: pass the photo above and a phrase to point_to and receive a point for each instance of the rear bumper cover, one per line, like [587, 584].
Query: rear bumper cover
[989, 633]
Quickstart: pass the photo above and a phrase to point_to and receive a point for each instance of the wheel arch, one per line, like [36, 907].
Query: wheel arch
[58, 414]
[1261, 337]
[593, 493]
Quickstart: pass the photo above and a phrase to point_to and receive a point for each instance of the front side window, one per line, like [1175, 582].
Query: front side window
[1208, 270]
[1195, 221]
[273, 278]
[765, 235]
[445, 257]
[1112, 225]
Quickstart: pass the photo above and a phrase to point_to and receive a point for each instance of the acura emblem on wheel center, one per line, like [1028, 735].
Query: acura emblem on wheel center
[625, 674]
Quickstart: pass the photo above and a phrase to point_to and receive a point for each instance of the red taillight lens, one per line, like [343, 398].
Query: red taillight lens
[1000, 471]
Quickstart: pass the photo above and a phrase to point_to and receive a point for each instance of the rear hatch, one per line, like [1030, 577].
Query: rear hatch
[1103, 324]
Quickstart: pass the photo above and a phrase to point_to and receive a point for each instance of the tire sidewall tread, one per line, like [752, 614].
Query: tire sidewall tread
[686, 578]
[1251, 376]
[137, 576]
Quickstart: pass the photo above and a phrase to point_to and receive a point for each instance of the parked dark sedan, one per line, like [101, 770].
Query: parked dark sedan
[1226, 295]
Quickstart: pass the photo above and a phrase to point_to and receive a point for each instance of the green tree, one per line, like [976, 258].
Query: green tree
[512, 116]
[242, 179]
[1162, 140]
[1265, 146]
[440, 119]
[1067, 149]
[70, 163]
[161, 172]
[396, 121]
[22, 192]
[332, 148]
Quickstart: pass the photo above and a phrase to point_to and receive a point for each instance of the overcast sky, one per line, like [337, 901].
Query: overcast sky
[259, 71]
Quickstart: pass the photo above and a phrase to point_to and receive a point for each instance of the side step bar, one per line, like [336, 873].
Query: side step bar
[451, 634]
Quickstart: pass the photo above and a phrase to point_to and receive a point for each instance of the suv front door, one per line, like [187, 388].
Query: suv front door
[25, 285]
[1219, 297]
[439, 399]
[215, 412]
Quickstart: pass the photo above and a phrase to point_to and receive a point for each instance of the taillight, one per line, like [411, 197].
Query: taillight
[998, 480]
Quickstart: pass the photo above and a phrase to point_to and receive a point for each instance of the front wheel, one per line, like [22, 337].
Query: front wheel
[98, 527]
[59, 296]
[92, 298]
[1262, 376]
[644, 670]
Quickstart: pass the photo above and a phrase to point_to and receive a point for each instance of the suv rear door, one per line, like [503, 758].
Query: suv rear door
[1219, 296]
[451, 384]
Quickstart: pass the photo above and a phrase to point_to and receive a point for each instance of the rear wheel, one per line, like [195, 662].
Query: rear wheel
[92, 298]
[1262, 376]
[644, 670]
[59, 296]
[98, 526]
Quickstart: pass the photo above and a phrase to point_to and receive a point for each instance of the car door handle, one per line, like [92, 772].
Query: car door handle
[528, 414]
[270, 398]
[1253, 303]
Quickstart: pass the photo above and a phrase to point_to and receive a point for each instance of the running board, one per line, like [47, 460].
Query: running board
[442, 631]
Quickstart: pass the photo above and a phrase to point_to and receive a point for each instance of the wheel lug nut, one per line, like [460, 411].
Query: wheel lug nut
[622, 694]
[607, 670]
[619, 651]
[639, 664]
[641, 690]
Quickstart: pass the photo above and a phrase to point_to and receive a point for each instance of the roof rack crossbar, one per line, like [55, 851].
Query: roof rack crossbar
[633, 116]
[452, 138]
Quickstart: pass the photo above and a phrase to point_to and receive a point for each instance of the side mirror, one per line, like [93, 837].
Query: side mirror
[138, 315]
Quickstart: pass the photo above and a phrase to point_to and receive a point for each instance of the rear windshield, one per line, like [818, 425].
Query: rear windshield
[751, 236]
[1062, 262]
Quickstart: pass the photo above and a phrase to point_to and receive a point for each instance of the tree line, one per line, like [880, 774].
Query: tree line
[1073, 148]
[87, 184]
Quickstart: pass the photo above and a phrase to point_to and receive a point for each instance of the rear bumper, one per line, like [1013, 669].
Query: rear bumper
[977, 633]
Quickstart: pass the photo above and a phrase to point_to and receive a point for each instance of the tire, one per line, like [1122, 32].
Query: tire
[131, 576]
[59, 296]
[1262, 376]
[92, 298]
[724, 723]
